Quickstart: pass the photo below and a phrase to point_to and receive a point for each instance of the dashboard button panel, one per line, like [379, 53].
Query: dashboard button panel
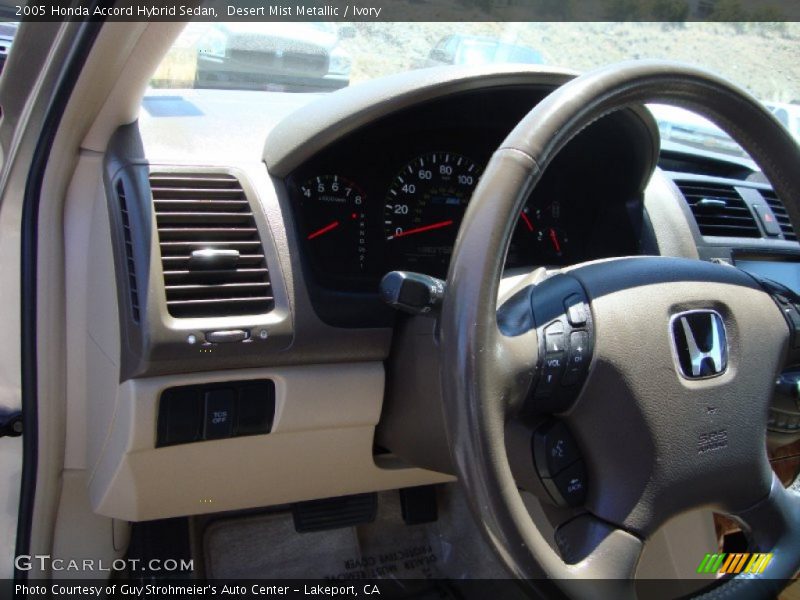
[215, 411]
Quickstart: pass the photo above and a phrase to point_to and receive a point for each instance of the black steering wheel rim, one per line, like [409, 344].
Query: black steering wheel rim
[476, 377]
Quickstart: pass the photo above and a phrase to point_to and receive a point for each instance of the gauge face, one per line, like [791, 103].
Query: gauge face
[540, 237]
[423, 211]
[551, 238]
[334, 224]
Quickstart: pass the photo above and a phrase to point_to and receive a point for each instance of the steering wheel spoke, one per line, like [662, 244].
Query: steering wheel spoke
[773, 527]
[594, 549]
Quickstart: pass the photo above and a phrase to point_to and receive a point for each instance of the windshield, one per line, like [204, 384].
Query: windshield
[305, 57]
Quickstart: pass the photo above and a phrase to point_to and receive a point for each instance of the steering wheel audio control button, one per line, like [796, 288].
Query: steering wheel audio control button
[565, 330]
[551, 374]
[577, 359]
[554, 339]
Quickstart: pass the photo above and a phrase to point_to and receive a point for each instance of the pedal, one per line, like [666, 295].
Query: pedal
[418, 505]
[335, 513]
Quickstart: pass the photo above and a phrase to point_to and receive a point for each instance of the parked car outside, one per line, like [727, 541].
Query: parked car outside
[290, 57]
[480, 50]
[684, 127]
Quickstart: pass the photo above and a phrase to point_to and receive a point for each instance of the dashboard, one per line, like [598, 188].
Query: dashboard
[297, 207]
[391, 196]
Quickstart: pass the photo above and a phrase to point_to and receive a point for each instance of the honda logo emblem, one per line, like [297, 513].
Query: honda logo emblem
[700, 344]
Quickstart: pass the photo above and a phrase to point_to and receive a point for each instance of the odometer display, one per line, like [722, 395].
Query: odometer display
[423, 211]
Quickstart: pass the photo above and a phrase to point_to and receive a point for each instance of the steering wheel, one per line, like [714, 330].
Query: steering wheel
[671, 414]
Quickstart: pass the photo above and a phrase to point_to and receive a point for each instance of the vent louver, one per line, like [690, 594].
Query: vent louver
[719, 210]
[127, 237]
[779, 210]
[211, 252]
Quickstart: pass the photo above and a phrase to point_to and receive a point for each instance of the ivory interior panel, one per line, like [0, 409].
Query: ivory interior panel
[321, 446]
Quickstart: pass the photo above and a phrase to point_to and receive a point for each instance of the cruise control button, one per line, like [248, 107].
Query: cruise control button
[571, 484]
[554, 449]
[219, 413]
[577, 312]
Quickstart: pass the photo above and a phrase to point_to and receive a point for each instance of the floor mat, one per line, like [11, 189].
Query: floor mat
[267, 546]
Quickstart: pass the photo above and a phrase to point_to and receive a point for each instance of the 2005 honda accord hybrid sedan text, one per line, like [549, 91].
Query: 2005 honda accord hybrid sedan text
[482, 329]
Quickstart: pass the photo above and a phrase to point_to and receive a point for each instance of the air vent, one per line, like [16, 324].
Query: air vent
[127, 237]
[211, 253]
[780, 214]
[719, 210]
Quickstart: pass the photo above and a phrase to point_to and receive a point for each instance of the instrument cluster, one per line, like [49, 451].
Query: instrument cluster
[391, 196]
[354, 237]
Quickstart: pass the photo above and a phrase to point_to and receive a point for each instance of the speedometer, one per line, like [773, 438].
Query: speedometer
[424, 208]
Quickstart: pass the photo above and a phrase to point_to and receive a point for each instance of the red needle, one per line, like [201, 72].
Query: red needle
[527, 220]
[421, 229]
[325, 229]
[554, 239]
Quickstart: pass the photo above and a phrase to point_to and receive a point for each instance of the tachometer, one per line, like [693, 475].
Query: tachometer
[424, 208]
[334, 222]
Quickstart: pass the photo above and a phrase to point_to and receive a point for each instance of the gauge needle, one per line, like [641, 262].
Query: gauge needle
[527, 220]
[554, 239]
[421, 229]
[325, 229]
